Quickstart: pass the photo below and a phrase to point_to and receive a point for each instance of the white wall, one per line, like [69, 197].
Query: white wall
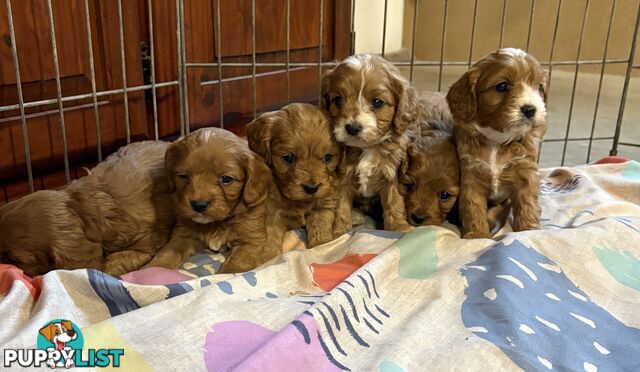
[369, 17]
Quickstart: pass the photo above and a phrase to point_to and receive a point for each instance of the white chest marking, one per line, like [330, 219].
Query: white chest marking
[496, 172]
[365, 169]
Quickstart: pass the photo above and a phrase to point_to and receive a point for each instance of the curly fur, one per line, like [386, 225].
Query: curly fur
[497, 144]
[197, 166]
[113, 219]
[303, 132]
[368, 92]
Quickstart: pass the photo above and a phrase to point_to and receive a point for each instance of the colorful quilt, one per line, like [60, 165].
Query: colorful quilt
[564, 298]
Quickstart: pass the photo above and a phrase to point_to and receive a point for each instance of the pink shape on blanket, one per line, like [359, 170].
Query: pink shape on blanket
[155, 276]
[243, 345]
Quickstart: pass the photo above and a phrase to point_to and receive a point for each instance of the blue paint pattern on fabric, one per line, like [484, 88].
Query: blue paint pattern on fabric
[523, 303]
[271, 295]
[176, 289]
[112, 292]
[250, 277]
[225, 287]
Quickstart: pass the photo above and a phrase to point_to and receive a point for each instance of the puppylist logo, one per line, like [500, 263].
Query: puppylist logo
[59, 345]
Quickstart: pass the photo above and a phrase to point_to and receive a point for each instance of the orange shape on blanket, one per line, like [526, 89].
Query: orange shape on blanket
[10, 273]
[328, 276]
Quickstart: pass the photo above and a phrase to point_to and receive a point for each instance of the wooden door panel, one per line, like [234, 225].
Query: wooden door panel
[235, 26]
[33, 40]
[36, 65]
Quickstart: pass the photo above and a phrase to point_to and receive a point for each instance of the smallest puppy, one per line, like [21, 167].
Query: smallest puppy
[430, 179]
[298, 145]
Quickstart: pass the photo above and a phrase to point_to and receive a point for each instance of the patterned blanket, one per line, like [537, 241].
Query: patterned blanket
[566, 297]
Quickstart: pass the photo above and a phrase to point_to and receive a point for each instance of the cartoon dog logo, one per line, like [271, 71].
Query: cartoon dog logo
[59, 333]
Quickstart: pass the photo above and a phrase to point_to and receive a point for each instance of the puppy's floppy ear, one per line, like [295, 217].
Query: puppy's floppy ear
[48, 331]
[545, 88]
[257, 181]
[259, 134]
[406, 101]
[462, 97]
[404, 165]
[171, 157]
[325, 87]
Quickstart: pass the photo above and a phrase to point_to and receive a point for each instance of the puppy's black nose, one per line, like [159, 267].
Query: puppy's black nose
[353, 129]
[418, 218]
[71, 332]
[528, 110]
[199, 206]
[311, 189]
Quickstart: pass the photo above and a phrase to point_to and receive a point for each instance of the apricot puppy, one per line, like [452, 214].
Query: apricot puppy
[298, 145]
[113, 219]
[430, 178]
[220, 189]
[499, 111]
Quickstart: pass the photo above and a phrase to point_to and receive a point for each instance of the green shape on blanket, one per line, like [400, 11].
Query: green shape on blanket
[623, 266]
[632, 171]
[388, 366]
[418, 258]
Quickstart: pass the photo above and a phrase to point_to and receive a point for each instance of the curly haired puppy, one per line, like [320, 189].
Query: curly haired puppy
[114, 219]
[375, 113]
[220, 192]
[430, 178]
[298, 144]
[499, 110]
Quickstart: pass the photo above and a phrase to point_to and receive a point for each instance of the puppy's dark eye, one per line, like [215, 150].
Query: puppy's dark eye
[377, 103]
[444, 196]
[502, 87]
[409, 186]
[289, 158]
[57, 331]
[184, 176]
[226, 180]
[337, 100]
[327, 158]
[541, 88]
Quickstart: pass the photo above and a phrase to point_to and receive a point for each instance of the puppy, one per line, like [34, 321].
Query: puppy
[375, 113]
[220, 189]
[113, 219]
[298, 145]
[430, 178]
[499, 111]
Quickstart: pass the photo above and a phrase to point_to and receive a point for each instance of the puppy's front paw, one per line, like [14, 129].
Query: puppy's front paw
[526, 226]
[477, 235]
[397, 226]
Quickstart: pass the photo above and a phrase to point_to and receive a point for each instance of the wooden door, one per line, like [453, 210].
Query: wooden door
[35, 53]
[236, 46]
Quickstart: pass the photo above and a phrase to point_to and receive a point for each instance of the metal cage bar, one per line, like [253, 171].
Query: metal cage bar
[625, 89]
[92, 71]
[153, 71]
[575, 80]
[219, 55]
[604, 57]
[124, 71]
[23, 119]
[56, 67]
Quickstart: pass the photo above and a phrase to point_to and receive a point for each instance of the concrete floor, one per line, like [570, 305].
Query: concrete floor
[426, 78]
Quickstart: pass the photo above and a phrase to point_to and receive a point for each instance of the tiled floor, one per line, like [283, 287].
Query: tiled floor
[426, 78]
